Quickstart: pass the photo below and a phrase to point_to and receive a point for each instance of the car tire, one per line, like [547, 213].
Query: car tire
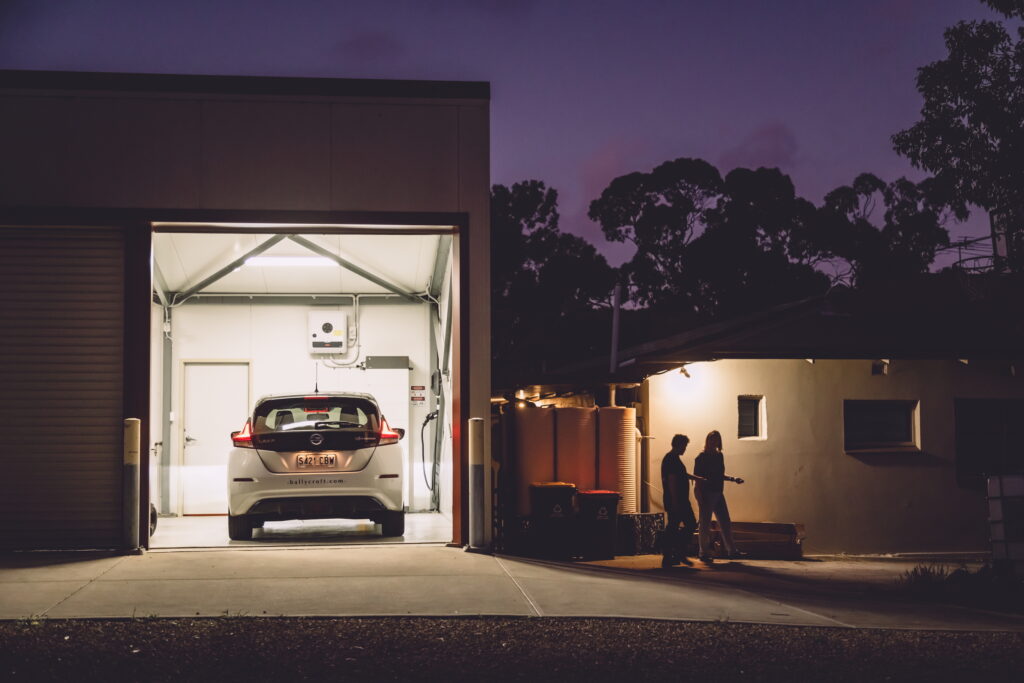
[239, 528]
[152, 519]
[393, 523]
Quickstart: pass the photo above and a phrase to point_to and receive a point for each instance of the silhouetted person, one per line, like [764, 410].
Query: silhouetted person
[709, 491]
[675, 486]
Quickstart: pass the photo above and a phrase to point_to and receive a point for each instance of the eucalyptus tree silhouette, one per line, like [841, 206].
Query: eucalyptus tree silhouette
[971, 131]
[547, 286]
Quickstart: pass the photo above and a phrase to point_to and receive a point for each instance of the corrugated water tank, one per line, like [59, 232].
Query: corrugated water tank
[589, 447]
[534, 451]
[576, 446]
[617, 455]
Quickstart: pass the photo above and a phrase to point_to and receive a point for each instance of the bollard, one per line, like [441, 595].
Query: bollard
[130, 486]
[476, 484]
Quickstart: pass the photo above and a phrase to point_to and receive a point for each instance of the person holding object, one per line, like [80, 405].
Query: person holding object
[709, 491]
[675, 485]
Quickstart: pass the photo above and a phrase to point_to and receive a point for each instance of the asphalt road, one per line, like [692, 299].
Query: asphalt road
[492, 649]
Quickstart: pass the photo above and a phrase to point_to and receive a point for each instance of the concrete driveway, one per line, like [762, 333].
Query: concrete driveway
[434, 580]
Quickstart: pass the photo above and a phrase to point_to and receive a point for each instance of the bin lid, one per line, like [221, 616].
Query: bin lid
[552, 484]
[599, 493]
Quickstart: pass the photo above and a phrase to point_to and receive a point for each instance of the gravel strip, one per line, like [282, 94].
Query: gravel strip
[491, 649]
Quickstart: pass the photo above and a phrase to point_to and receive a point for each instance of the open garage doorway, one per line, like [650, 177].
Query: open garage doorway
[242, 312]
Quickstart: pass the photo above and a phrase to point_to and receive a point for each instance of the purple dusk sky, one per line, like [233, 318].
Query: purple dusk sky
[582, 90]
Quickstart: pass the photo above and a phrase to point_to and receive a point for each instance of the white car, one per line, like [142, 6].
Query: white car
[320, 456]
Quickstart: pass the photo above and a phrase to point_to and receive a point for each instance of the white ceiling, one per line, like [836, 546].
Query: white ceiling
[186, 259]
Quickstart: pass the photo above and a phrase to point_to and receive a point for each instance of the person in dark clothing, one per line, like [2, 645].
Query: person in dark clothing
[709, 491]
[675, 486]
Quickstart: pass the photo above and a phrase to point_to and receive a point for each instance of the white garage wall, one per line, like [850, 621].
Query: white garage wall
[273, 339]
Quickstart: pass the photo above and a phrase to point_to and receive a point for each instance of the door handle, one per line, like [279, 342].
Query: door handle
[189, 439]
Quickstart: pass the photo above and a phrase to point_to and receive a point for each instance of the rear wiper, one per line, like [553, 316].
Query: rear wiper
[335, 423]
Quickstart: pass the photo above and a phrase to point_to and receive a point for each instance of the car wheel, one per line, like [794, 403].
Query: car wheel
[239, 528]
[393, 523]
[152, 519]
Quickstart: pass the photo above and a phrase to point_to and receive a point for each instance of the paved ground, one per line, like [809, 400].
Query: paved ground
[434, 580]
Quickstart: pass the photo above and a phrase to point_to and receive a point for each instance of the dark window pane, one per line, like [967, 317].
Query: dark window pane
[749, 416]
[987, 439]
[878, 424]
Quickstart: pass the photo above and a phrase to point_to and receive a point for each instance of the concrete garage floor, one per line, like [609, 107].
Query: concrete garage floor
[212, 532]
[434, 580]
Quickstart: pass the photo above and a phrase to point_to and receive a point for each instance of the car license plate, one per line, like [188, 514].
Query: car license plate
[316, 460]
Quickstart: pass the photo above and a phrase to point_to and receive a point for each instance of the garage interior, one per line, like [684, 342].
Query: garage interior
[234, 309]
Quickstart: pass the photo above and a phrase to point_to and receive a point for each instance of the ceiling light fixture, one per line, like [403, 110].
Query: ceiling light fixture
[295, 261]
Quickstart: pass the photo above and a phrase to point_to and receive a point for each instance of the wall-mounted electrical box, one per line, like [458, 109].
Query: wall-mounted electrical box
[327, 332]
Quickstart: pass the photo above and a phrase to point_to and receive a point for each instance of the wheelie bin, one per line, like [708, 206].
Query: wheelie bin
[598, 514]
[552, 518]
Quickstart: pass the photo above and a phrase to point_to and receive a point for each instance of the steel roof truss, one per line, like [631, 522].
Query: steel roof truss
[181, 297]
[348, 265]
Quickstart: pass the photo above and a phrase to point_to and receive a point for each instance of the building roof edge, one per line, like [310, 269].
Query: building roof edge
[243, 85]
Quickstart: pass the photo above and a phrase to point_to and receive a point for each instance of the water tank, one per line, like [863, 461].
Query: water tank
[534, 451]
[576, 446]
[617, 456]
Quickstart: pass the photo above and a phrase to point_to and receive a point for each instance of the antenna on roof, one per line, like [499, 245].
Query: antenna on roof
[316, 379]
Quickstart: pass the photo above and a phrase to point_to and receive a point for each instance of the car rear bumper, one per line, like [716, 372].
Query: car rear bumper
[313, 495]
[317, 507]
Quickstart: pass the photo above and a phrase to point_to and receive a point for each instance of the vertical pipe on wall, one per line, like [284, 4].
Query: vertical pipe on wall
[645, 446]
[432, 359]
[613, 361]
[130, 484]
[166, 433]
[438, 401]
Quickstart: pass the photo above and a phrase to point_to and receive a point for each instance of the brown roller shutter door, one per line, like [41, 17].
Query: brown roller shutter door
[62, 303]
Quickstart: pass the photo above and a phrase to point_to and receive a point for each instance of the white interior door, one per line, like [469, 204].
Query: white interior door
[216, 404]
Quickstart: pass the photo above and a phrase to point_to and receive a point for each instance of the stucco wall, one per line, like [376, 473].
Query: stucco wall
[856, 503]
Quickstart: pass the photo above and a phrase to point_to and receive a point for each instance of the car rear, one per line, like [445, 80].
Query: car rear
[314, 457]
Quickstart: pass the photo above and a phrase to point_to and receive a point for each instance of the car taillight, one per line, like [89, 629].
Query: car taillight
[387, 434]
[243, 439]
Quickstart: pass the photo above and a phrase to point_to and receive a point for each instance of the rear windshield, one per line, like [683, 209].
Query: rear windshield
[316, 413]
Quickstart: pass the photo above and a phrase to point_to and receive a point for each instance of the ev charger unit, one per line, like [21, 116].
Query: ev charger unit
[327, 332]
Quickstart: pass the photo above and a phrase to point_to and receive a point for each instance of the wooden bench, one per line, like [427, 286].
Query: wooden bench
[764, 540]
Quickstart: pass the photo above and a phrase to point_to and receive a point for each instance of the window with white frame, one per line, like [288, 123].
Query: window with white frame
[751, 417]
[874, 425]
